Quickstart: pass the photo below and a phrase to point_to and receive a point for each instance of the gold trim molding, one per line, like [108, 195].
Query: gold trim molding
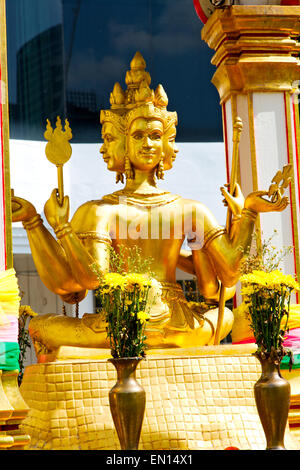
[256, 48]
[5, 117]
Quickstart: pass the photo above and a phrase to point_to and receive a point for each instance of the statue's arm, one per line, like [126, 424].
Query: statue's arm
[66, 265]
[82, 257]
[226, 250]
[185, 262]
[197, 262]
[49, 257]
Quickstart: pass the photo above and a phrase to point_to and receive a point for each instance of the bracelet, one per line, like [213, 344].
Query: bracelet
[93, 235]
[63, 230]
[249, 214]
[35, 221]
[236, 218]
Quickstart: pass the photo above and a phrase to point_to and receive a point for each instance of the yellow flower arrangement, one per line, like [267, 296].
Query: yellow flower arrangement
[123, 298]
[266, 302]
[274, 280]
[113, 280]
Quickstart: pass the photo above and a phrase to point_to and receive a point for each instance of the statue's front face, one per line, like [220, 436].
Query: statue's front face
[145, 143]
[113, 147]
[170, 147]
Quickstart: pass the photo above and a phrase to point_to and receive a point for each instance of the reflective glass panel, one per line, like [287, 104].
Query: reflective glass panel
[64, 57]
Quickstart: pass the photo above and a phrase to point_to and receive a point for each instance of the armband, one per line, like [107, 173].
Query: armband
[212, 234]
[34, 222]
[249, 214]
[63, 230]
[97, 236]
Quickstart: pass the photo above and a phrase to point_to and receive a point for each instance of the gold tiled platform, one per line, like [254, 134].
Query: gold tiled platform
[196, 401]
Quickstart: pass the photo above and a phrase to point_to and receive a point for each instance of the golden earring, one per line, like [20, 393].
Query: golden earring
[119, 177]
[128, 169]
[160, 169]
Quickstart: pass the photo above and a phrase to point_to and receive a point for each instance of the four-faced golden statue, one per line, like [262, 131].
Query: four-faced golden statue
[139, 145]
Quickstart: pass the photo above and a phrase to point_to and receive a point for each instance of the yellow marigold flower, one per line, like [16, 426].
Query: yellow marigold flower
[248, 290]
[135, 279]
[128, 302]
[114, 280]
[243, 308]
[105, 290]
[274, 280]
[27, 310]
[142, 316]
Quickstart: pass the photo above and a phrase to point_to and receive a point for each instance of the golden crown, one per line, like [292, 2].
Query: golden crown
[138, 100]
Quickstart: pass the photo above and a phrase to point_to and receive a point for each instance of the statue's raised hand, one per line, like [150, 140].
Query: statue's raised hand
[56, 214]
[22, 210]
[236, 201]
[257, 203]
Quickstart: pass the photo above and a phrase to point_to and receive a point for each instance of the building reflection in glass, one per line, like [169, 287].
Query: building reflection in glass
[40, 82]
[68, 54]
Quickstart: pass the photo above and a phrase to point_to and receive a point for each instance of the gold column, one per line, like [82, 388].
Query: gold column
[256, 48]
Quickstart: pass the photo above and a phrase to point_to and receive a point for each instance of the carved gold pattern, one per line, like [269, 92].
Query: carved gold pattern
[256, 48]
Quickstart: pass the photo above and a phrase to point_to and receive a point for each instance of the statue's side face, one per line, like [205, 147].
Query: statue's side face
[145, 143]
[113, 148]
[170, 147]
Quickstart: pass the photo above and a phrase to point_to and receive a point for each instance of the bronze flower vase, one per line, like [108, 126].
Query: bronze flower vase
[127, 400]
[272, 396]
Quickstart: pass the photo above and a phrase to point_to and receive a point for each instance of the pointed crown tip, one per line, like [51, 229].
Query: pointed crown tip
[138, 62]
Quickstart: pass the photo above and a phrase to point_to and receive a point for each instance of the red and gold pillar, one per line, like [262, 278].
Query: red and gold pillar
[257, 77]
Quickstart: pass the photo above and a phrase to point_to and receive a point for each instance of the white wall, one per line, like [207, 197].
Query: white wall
[198, 173]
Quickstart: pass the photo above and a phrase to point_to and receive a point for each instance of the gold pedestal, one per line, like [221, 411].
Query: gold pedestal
[13, 410]
[195, 399]
[294, 414]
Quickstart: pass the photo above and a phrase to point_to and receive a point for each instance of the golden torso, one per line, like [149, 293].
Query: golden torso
[155, 225]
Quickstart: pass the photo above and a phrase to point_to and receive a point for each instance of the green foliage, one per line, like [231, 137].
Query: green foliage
[26, 313]
[263, 255]
[129, 260]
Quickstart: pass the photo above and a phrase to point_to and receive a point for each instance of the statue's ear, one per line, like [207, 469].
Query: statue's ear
[129, 172]
[160, 168]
